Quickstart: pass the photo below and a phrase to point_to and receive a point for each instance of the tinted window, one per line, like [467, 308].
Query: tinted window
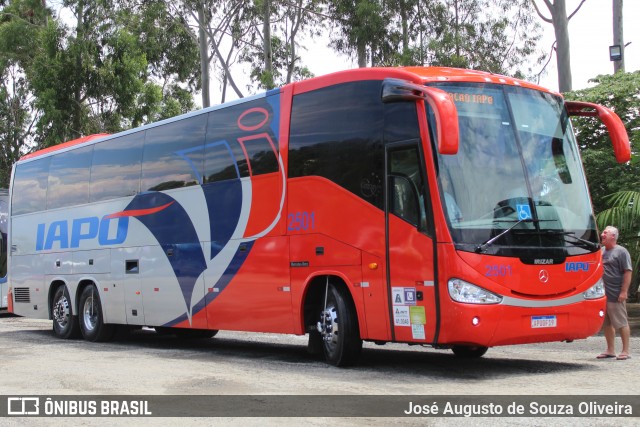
[336, 133]
[238, 133]
[400, 121]
[69, 178]
[406, 186]
[115, 171]
[173, 154]
[262, 155]
[30, 187]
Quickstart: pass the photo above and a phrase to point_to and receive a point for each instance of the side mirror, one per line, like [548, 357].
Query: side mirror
[615, 127]
[444, 109]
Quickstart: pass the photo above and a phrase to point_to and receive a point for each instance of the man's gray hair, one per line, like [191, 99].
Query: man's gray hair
[614, 231]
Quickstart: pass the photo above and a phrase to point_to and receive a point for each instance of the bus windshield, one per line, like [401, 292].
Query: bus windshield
[516, 184]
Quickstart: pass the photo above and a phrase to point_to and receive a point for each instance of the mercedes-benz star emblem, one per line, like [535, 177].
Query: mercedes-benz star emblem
[543, 276]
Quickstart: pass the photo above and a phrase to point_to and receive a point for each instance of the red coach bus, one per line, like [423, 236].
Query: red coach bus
[431, 206]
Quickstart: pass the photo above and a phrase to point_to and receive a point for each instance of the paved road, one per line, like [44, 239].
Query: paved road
[33, 361]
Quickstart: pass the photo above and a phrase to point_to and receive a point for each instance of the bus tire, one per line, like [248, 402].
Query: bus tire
[65, 324]
[92, 324]
[469, 351]
[338, 327]
[315, 345]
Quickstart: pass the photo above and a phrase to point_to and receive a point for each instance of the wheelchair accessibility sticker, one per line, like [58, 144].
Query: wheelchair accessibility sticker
[524, 212]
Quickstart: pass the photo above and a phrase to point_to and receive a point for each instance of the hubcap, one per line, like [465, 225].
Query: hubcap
[61, 312]
[328, 327]
[89, 315]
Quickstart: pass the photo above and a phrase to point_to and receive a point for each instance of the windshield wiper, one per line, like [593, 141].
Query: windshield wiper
[481, 247]
[588, 243]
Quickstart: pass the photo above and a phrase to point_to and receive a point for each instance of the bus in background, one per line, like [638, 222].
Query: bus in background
[431, 206]
[4, 219]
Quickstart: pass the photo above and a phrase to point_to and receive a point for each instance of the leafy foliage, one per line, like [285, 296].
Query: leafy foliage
[491, 35]
[614, 187]
[621, 93]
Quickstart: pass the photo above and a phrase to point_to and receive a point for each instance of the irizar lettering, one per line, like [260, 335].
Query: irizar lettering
[68, 234]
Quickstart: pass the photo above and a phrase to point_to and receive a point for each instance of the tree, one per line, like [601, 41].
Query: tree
[560, 21]
[289, 20]
[613, 187]
[86, 79]
[491, 35]
[119, 64]
[20, 25]
[620, 92]
[363, 29]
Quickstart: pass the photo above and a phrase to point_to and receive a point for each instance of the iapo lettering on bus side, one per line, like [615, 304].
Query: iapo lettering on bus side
[68, 234]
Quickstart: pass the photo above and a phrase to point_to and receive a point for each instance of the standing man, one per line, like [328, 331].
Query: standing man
[617, 278]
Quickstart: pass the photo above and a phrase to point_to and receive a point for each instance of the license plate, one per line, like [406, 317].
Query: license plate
[544, 321]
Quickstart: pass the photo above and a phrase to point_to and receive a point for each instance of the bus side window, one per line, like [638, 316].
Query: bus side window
[406, 186]
[336, 133]
[115, 170]
[69, 178]
[240, 142]
[173, 154]
[30, 187]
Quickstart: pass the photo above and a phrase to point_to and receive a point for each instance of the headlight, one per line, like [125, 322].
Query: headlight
[596, 291]
[462, 291]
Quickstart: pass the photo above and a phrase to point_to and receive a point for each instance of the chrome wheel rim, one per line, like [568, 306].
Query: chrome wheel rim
[62, 312]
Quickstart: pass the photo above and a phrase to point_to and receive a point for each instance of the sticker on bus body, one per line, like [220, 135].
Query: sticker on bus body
[401, 315]
[417, 332]
[404, 296]
[544, 321]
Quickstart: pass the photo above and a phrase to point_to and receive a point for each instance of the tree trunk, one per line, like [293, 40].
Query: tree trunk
[362, 54]
[405, 33]
[268, 57]
[563, 57]
[77, 96]
[204, 58]
[618, 34]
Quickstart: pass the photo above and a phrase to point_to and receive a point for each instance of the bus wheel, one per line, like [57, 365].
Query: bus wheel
[338, 326]
[469, 351]
[65, 325]
[91, 322]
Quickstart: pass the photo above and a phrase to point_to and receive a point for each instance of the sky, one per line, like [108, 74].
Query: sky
[590, 33]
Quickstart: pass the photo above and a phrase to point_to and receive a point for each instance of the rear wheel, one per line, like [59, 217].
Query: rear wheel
[338, 328]
[65, 324]
[92, 324]
[468, 351]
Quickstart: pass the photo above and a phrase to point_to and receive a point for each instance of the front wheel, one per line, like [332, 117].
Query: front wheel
[65, 324]
[468, 351]
[92, 325]
[338, 328]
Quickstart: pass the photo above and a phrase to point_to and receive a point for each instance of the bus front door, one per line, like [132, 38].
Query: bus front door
[410, 250]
